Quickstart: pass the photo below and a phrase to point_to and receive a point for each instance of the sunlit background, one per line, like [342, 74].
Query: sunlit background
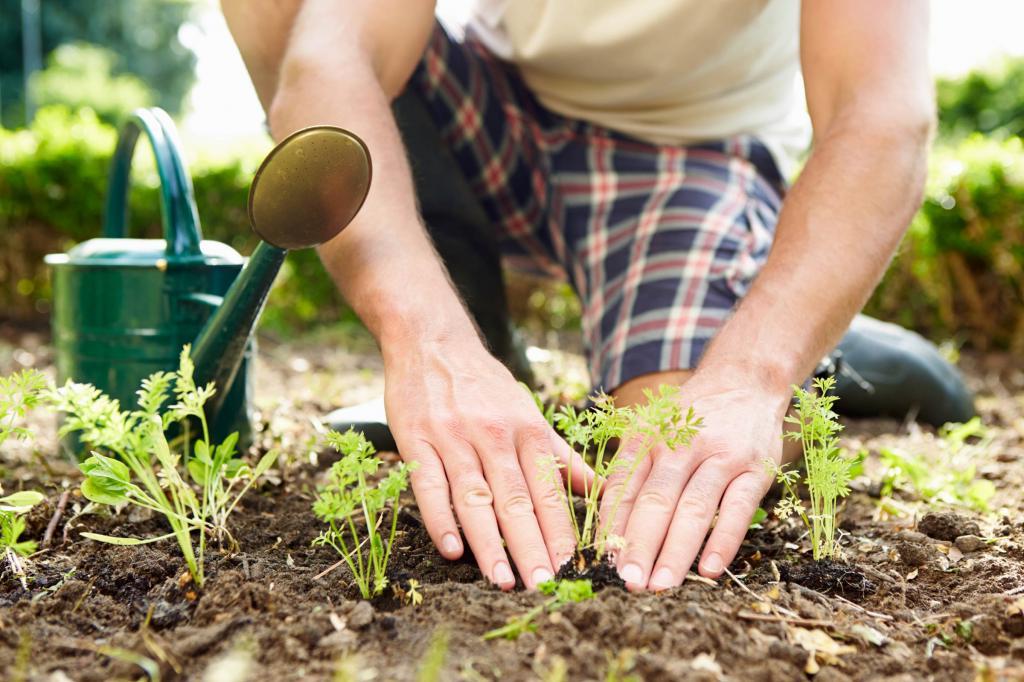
[222, 103]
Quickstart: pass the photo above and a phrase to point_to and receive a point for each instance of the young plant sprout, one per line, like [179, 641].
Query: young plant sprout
[146, 473]
[661, 420]
[19, 392]
[828, 468]
[12, 524]
[561, 592]
[350, 501]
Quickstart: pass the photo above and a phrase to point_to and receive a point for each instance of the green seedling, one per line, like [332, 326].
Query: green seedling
[829, 469]
[19, 393]
[195, 492]
[350, 500]
[560, 593]
[661, 420]
[13, 508]
[947, 478]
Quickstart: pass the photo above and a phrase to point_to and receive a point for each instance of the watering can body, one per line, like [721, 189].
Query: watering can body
[123, 308]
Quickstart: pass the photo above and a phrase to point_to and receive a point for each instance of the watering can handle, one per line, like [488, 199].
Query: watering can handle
[178, 206]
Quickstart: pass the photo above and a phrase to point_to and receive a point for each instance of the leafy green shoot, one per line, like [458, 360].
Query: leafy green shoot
[661, 420]
[559, 592]
[13, 508]
[350, 501]
[195, 494]
[829, 469]
[19, 393]
[948, 476]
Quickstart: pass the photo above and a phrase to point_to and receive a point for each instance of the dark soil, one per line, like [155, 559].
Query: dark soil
[901, 606]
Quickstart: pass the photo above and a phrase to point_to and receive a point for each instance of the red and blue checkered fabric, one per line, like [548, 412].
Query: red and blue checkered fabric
[659, 241]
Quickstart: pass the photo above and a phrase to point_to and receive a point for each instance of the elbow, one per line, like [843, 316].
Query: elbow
[298, 77]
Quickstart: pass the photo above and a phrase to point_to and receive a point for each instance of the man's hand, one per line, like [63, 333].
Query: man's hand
[482, 446]
[670, 503]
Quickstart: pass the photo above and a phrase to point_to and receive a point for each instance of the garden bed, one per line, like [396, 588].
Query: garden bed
[906, 606]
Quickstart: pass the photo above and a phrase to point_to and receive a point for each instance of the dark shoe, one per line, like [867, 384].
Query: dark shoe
[884, 370]
[368, 418]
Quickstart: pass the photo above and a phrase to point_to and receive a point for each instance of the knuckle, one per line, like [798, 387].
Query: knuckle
[497, 430]
[430, 481]
[696, 505]
[451, 425]
[535, 437]
[517, 504]
[551, 498]
[473, 490]
[655, 499]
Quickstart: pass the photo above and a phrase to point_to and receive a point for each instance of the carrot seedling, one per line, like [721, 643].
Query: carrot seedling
[660, 421]
[829, 469]
[144, 471]
[350, 501]
[560, 593]
[19, 392]
[13, 508]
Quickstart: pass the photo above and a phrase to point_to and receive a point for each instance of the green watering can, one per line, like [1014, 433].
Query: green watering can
[123, 308]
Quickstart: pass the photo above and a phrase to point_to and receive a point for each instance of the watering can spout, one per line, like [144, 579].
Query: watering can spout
[310, 186]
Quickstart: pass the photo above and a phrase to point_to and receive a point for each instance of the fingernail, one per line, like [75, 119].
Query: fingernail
[450, 544]
[713, 563]
[503, 574]
[632, 574]
[662, 579]
[541, 575]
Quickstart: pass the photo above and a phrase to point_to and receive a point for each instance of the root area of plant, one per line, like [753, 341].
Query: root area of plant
[901, 606]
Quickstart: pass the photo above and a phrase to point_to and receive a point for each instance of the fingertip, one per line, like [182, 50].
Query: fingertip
[451, 547]
[502, 576]
[711, 566]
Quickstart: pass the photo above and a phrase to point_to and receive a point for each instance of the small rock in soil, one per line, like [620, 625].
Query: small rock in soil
[360, 616]
[970, 543]
[338, 642]
[167, 614]
[947, 526]
[915, 554]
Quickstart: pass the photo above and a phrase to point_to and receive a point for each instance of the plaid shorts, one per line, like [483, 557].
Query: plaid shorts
[659, 241]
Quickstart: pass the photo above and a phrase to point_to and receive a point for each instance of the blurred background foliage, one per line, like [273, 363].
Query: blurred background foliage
[139, 37]
[958, 274]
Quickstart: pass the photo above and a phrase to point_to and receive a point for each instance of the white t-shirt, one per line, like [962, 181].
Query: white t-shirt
[667, 71]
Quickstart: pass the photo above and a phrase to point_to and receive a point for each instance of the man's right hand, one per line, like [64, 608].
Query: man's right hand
[476, 434]
[482, 446]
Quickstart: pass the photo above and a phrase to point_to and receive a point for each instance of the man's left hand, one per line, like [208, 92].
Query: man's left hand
[666, 509]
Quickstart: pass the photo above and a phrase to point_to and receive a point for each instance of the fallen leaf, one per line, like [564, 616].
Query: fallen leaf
[869, 635]
[955, 554]
[912, 574]
[761, 607]
[776, 576]
[820, 645]
[773, 593]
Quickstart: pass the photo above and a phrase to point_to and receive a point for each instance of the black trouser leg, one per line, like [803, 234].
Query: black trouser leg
[463, 235]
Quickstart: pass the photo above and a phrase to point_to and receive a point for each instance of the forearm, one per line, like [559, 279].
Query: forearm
[837, 232]
[322, 62]
[383, 263]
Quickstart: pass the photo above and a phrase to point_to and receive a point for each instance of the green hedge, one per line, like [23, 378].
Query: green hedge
[960, 271]
[53, 181]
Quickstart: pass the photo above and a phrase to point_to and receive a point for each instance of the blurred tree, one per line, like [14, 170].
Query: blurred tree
[142, 33]
[989, 101]
[80, 75]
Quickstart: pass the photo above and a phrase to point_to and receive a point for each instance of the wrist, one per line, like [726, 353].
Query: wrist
[416, 328]
[770, 379]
